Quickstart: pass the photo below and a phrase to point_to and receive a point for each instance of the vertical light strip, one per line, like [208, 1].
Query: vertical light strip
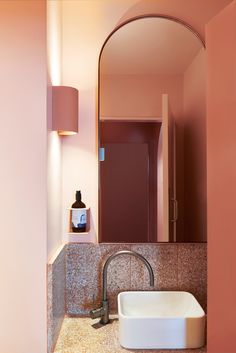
[54, 24]
[54, 150]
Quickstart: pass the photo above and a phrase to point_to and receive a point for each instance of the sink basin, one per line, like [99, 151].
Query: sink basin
[160, 320]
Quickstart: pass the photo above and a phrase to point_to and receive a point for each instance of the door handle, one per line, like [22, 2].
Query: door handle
[175, 210]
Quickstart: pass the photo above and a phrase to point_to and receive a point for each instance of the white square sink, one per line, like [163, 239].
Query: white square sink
[160, 320]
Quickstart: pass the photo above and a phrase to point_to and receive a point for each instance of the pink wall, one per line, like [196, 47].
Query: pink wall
[140, 95]
[54, 151]
[221, 152]
[195, 12]
[23, 176]
[194, 120]
[86, 25]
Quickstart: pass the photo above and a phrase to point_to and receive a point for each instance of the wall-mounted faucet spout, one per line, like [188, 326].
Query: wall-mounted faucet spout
[103, 311]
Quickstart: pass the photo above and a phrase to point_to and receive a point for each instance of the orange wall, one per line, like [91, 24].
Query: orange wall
[194, 120]
[221, 156]
[23, 176]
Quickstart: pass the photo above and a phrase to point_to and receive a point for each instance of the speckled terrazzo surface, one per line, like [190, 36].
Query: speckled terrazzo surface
[175, 267]
[75, 278]
[79, 336]
[56, 277]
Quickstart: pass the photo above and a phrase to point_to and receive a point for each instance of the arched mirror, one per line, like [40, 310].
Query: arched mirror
[152, 185]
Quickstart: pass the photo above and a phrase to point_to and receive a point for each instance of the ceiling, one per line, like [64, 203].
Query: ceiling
[150, 46]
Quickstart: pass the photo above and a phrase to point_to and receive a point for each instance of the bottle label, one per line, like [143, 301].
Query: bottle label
[79, 218]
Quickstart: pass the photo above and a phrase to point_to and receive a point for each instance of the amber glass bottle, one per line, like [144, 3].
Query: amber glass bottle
[78, 214]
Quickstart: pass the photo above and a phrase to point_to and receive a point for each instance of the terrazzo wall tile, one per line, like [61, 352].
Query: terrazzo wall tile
[50, 336]
[163, 259]
[175, 266]
[118, 272]
[83, 278]
[192, 270]
[56, 283]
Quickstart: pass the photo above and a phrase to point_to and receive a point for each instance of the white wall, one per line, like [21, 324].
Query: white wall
[54, 151]
[23, 177]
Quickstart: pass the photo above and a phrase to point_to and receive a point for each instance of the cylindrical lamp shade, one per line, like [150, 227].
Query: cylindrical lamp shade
[65, 110]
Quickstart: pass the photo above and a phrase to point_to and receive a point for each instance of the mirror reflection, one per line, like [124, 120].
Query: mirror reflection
[152, 129]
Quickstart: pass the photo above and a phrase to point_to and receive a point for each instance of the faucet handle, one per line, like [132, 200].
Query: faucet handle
[93, 299]
[95, 313]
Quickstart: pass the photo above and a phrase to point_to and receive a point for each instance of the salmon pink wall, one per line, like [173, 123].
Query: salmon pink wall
[221, 153]
[54, 150]
[194, 120]
[86, 25]
[140, 95]
[194, 12]
[23, 205]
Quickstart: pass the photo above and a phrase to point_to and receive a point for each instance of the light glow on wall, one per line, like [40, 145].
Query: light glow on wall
[54, 158]
[66, 133]
[54, 153]
[54, 41]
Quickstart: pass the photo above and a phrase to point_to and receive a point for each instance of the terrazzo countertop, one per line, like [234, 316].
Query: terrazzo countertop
[83, 335]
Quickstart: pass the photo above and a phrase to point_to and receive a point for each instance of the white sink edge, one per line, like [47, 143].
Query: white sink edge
[165, 320]
[202, 316]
